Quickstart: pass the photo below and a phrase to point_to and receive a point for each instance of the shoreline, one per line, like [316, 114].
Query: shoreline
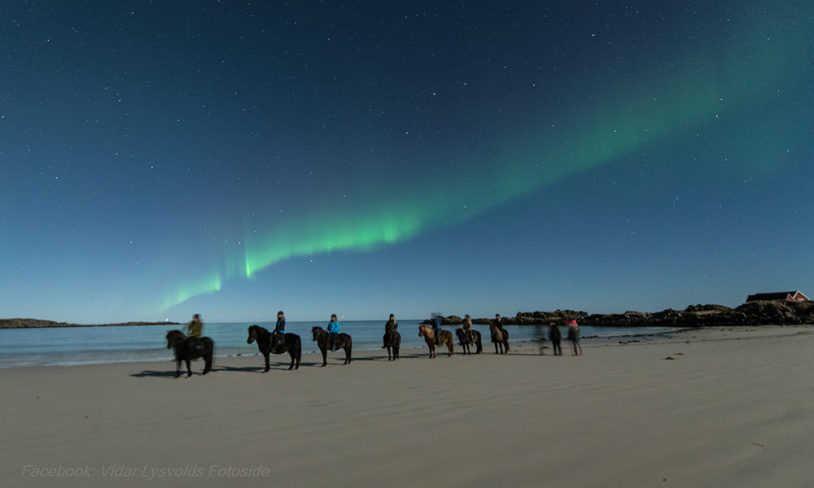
[310, 348]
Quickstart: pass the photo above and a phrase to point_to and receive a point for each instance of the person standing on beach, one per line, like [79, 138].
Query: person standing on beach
[555, 337]
[390, 327]
[467, 326]
[195, 327]
[573, 336]
[333, 330]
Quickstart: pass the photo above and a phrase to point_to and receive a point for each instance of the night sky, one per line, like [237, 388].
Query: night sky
[235, 158]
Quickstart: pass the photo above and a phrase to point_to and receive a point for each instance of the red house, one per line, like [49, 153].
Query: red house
[786, 296]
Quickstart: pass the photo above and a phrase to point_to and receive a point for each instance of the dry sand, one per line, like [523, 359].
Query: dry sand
[735, 407]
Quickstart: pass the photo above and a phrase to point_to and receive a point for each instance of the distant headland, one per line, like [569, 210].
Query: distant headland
[761, 312]
[40, 324]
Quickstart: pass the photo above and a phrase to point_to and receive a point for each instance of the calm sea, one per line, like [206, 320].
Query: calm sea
[94, 345]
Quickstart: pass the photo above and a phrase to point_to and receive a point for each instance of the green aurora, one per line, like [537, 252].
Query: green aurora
[646, 109]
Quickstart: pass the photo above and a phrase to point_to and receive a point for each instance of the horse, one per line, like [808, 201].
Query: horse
[499, 339]
[467, 341]
[323, 339]
[428, 334]
[188, 348]
[392, 341]
[267, 344]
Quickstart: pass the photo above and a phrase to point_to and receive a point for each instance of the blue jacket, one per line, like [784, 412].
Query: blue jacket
[333, 327]
[280, 326]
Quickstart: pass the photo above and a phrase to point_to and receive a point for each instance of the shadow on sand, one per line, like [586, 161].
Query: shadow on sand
[259, 369]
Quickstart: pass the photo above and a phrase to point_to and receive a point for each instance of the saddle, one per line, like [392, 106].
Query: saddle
[277, 340]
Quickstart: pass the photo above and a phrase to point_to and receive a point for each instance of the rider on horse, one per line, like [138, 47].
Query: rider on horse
[467, 326]
[195, 327]
[333, 329]
[279, 329]
[390, 327]
[498, 322]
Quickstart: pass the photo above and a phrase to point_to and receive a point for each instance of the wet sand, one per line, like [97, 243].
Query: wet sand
[732, 407]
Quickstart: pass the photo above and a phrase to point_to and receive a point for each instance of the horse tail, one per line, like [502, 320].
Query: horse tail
[297, 349]
[210, 352]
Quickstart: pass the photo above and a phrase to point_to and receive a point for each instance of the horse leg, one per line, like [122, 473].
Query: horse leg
[324, 356]
[449, 347]
[268, 366]
[189, 369]
[207, 363]
[291, 353]
[347, 354]
[177, 368]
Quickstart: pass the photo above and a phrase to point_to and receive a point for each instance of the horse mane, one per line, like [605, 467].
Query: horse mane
[174, 337]
[258, 328]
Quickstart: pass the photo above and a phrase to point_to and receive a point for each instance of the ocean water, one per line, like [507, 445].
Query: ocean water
[96, 345]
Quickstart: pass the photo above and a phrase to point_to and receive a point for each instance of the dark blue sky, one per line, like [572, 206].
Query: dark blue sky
[232, 159]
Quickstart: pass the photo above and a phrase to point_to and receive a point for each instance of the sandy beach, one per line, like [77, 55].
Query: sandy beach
[733, 407]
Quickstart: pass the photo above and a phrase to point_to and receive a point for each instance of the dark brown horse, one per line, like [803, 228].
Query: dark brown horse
[267, 344]
[445, 337]
[188, 348]
[467, 341]
[500, 339]
[392, 341]
[323, 340]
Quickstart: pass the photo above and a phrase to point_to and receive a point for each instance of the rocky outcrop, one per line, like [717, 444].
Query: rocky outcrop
[752, 313]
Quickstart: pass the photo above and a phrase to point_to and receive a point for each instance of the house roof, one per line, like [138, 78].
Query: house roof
[779, 295]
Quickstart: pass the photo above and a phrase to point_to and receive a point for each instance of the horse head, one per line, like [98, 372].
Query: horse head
[317, 331]
[174, 337]
[252, 334]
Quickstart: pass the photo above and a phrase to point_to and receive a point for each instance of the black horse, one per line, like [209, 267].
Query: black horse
[467, 341]
[268, 343]
[188, 348]
[323, 339]
[392, 341]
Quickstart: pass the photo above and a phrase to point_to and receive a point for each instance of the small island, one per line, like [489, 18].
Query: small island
[40, 324]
